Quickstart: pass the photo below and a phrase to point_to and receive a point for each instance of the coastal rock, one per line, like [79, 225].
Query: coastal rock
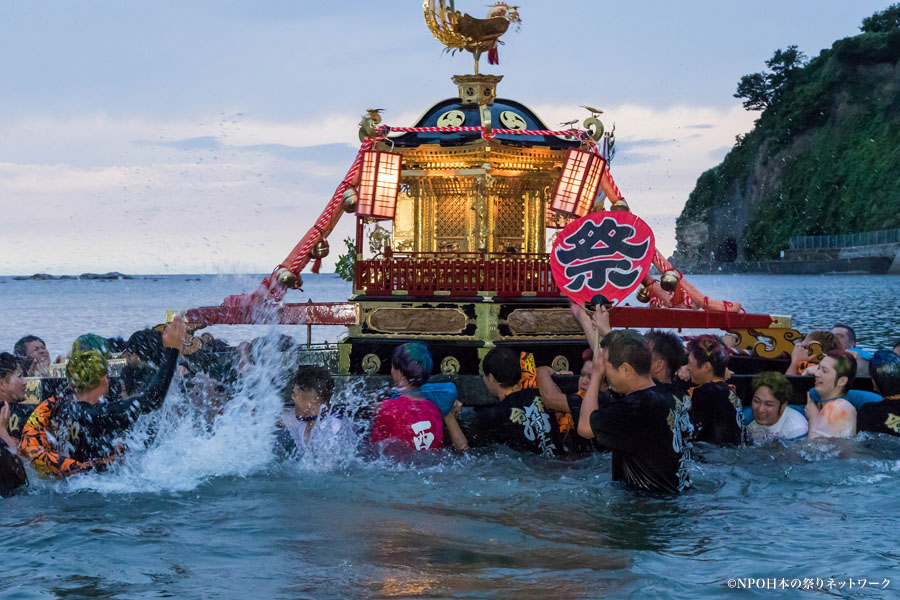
[105, 276]
[821, 160]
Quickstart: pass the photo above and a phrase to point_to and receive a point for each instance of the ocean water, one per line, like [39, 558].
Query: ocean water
[204, 511]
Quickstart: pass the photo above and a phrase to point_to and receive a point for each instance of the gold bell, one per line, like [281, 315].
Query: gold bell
[669, 281]
[643, 295]
[319, 249]
[288, 278]
[348, 203]
[621, 205]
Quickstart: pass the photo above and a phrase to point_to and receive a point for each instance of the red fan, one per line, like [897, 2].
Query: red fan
[602, 257]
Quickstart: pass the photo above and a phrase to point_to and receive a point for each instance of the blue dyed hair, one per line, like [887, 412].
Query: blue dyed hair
[885, 371]
[414, 361]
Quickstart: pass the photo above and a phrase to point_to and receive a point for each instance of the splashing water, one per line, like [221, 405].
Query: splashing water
[190, 440]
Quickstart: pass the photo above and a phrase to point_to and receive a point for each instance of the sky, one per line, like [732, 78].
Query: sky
[207, 136]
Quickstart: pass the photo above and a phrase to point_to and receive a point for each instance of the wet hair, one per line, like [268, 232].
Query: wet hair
[92, 341]
[628, 346]
[710, 349]
[826, 339]
[19, 347]
[844, 366]
[777, 382]
[587, 355]
[884, 369]
[669, 346]
[850, 333]
[86, 369]
[315, 378]
[8, 364]
[147, 345]
[414, 361]
[504, 365]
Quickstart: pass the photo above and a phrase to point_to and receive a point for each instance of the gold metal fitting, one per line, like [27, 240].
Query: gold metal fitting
[621, 205]
[348, 203]
[643, 295]
[669, 281]
[288, 278]
[319, 249]
[368, 126]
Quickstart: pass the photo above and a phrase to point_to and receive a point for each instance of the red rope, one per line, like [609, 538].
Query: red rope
[568, 132]
[619, 194]
[333, 205]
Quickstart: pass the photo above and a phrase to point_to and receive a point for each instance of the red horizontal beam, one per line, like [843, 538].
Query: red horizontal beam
[311, 313]
[684, 318]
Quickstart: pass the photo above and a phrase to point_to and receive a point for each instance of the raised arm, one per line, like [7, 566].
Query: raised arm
[584, 320]
[799, 354]
[552, 397]
[591, 399]
[5, 436]
[119, 415]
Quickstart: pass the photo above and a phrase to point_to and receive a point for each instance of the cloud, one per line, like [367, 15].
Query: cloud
[230, 191]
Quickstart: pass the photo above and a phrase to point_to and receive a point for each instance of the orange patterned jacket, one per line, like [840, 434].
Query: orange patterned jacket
[36, 446]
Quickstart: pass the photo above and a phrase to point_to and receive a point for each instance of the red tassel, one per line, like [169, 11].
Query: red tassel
[493, 56]
[317, 265]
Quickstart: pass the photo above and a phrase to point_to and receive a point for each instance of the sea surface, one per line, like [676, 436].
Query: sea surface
[203, 510]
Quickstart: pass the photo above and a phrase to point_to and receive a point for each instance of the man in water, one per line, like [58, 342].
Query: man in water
[772, 418]
[833, 415]
[640, 425]
[311, 395]
[567, 406]
[75, 433]
[884, 416]
[846, 338]
[716, 410]
[34, 348]
[667, 356]
[805, 363]
[519, 420]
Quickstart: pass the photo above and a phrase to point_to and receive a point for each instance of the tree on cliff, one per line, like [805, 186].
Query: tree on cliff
[761, 90]
[881, 21]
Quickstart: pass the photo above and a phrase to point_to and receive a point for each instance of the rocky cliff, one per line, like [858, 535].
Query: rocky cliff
[823, 158]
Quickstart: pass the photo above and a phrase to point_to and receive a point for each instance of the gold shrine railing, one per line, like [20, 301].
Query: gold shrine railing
[456, 274]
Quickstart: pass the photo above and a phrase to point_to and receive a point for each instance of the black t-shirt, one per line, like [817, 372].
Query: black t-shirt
[642, 429]
[879, 417]
[90, 429]
[678, 389]
[716, 414]
[520, 422]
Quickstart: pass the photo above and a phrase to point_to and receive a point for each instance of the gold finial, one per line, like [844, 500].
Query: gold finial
[458, 31]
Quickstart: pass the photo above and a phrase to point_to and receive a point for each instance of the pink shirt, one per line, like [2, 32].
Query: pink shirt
[415, 423]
